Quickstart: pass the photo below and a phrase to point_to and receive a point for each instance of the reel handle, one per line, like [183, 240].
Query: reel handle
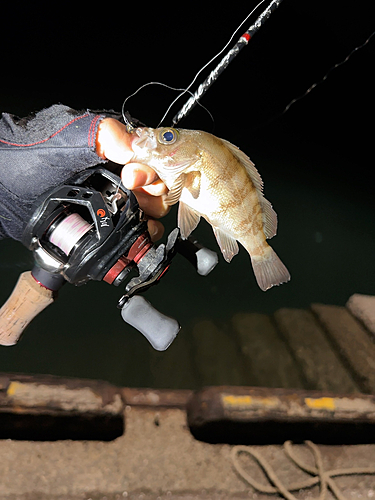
[160, 330]
[26, 301]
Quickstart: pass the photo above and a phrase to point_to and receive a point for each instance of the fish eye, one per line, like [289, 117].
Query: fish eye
[168, 136]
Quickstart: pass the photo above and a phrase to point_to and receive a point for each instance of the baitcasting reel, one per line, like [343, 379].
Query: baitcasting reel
[93, 229]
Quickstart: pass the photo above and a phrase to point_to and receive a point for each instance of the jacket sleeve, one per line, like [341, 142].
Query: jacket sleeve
[38, 153]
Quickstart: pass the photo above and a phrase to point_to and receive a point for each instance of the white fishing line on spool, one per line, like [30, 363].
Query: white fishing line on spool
[69, 232]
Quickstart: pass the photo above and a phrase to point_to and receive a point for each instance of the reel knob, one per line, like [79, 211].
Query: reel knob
[159, 330]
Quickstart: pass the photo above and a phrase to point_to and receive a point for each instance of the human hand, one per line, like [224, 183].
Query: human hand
[114, 143]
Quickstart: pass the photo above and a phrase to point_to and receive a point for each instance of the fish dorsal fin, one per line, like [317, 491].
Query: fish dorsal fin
[247, 163]
[269, 218]
[269, 215]
[187, 219]
[228, 245]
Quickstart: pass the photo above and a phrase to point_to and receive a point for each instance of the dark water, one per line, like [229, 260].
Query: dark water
[325, 237]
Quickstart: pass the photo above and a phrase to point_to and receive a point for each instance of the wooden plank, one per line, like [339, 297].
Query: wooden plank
[44, 407]
[266, 355]
[250, 415]
[363, 308]
[217, 357]
[156, 398]
[174, 368]
[320, 364]
[352, 342]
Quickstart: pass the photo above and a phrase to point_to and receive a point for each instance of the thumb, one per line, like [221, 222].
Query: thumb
[113, 142]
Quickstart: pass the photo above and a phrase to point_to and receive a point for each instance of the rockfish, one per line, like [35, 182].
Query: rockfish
[212, 178]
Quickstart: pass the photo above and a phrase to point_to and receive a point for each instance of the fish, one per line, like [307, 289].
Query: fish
[211, 178]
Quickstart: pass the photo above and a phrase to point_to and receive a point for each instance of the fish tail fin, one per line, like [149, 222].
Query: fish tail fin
[269, 270]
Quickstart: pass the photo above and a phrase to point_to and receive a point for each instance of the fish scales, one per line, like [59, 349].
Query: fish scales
[212, 178]
[220, 175]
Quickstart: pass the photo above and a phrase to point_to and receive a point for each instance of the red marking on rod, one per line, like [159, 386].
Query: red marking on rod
[165, 270]
[246, 36]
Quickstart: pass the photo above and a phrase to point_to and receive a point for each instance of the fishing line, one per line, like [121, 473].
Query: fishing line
[326, 75]
[312, 87]
[68, 232]
[130, 126]
[183, 91]
[229, 56]
[207, 64]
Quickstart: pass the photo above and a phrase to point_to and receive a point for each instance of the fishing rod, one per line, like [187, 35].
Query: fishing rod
[228, 58]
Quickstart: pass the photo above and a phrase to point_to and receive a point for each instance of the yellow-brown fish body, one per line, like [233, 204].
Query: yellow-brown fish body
[212, 178]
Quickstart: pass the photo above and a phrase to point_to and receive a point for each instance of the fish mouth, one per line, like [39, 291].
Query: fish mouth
[146, 140]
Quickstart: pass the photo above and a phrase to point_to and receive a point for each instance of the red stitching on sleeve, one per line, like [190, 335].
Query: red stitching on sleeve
[48, 138]
[91, 134]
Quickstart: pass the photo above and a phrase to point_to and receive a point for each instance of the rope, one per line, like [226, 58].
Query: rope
[320, 476]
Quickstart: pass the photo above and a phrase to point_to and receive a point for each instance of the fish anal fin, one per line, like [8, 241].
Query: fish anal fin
[269, 270]
[187, 219]
[228, 245]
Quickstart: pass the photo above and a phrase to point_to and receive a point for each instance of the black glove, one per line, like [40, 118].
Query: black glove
[38, 153]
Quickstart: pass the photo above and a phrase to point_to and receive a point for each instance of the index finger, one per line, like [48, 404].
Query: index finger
[134, 175]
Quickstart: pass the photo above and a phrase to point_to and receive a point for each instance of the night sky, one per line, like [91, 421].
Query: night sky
[94, 59]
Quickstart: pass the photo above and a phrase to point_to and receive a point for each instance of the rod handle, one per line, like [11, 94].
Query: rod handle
[26, 301]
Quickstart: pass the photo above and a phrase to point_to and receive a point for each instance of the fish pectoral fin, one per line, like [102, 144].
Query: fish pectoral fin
[193, 183]
[187, 219]
[174, 193]
[228, 245]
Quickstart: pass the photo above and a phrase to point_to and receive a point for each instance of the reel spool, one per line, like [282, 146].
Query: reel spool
[93, 229]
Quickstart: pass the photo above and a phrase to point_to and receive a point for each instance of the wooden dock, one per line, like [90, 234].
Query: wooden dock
[295, 375]
[325, 348]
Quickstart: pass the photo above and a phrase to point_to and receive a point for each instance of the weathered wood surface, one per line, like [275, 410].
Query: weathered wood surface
[217, 355]
[363, 308]
[352, 342]
[320, 363]
[47, 393]
[44, 407]
[175, 366]
[292, 348]
[266, 355]
[261, 416]
[156, 398]
[323, 349]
